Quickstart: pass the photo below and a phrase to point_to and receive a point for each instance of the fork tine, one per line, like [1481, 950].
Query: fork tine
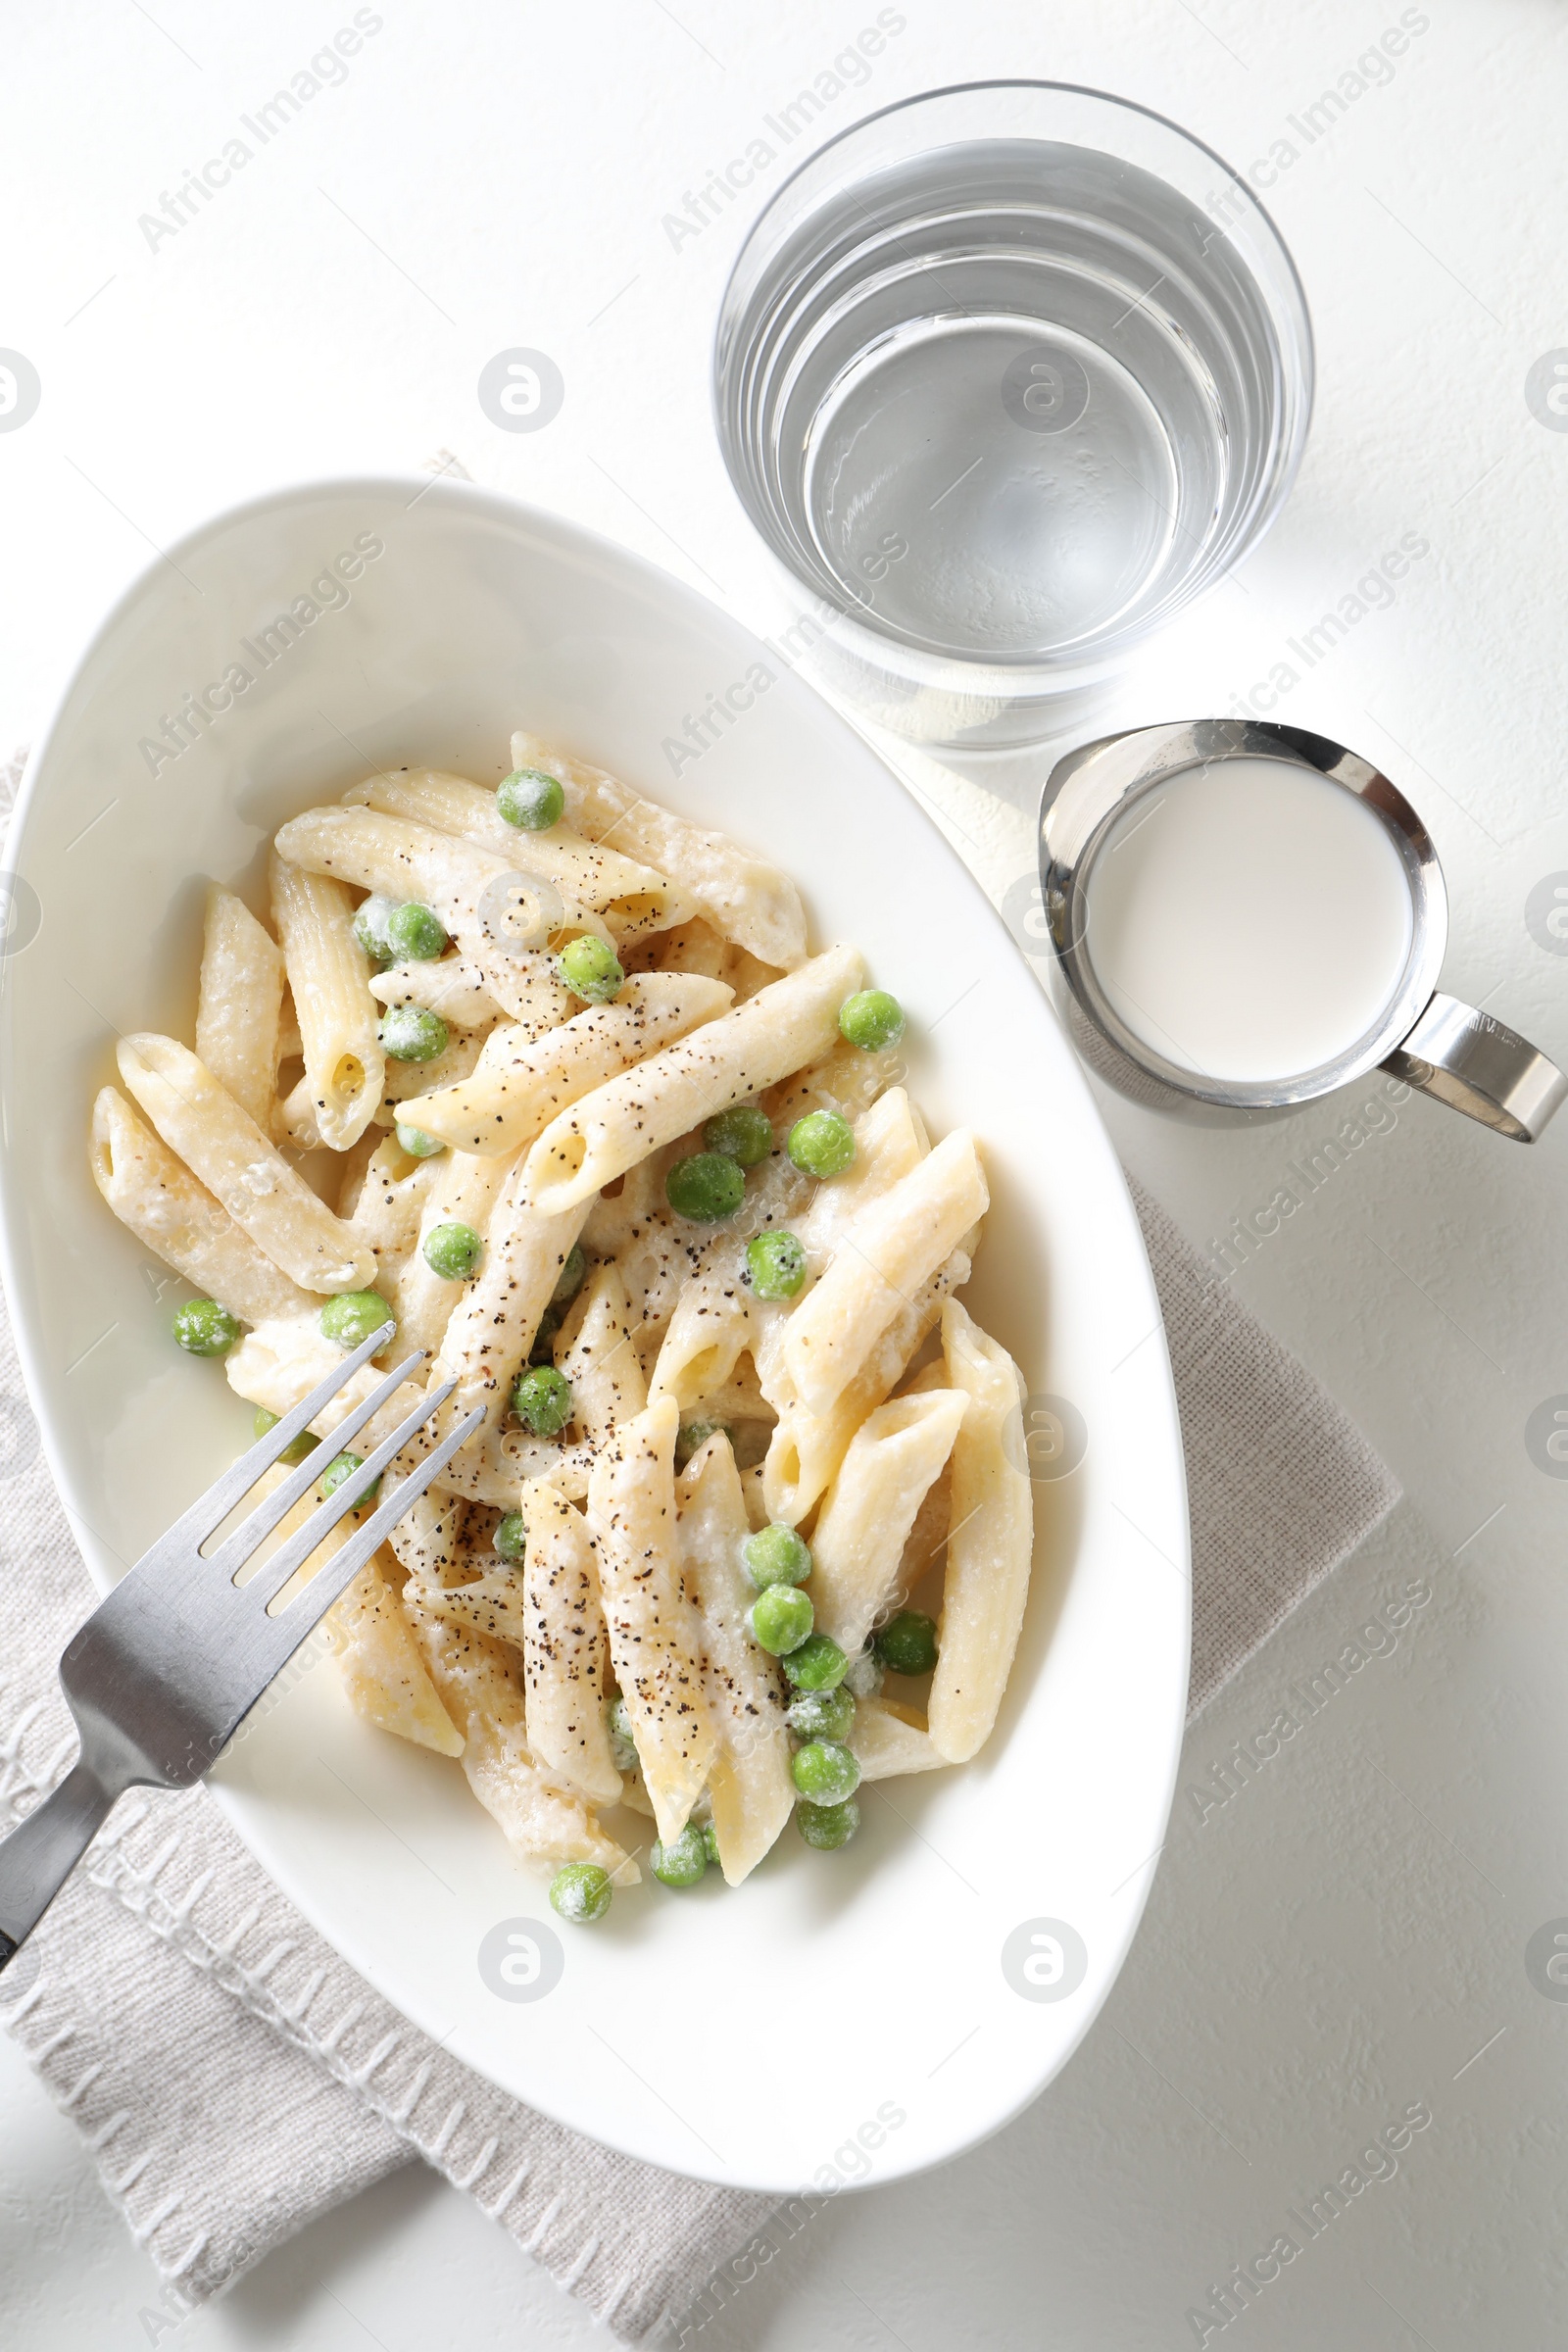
[258, 1523]
[291, 1626]
[211, 1509]
[269, 1579]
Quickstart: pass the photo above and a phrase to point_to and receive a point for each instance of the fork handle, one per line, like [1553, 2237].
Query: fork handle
[41, 1853]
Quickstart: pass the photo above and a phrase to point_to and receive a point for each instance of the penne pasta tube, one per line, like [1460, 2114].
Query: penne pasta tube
[743, 897]
[868, 1512]
[383, 1676]
[631, 897]
[394, 1191]
[476, 1684]
[676, 1088]
[328, 981]
[281, 1361]
[709, 1333]
[739, 1400]
[694, 947]
[595, 1351]
[512, 1095]
[158, 1197]
[461, 1191]
[451, 985]
[749, 1784]
[407, 1083]
[895, 1245]
[806, 1448]
[890, 1139]
[653, 1634]
[499, 1461]
[239, 1003]
[352, 1169]
[428, 1540]
[492, 1604]
[476, 892]
[493, 1325]
[222, 1146]
[889, 1739]
[523, 991]
[564, 1647]
[990, 1548]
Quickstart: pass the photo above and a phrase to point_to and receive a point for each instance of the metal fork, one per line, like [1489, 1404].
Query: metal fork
[170, 1662]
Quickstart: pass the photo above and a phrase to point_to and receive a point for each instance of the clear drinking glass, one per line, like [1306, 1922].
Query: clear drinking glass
[1006, 376]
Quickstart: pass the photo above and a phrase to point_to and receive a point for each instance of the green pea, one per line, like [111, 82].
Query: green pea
[542, 1400]
[452, 1252]
[906, 1643]
[862, 1676]
[820, 1714]
[531, 799]
[415, 934]
[511, 1538]
[704, 1188]
[693, 1435]
[825, 1771]
[822, 1144]
[204, 1328]
[417, 1144]
[709, 1840]
[775, 1265]
[571, 1276]
[343, 1466]
[408, 1033]
[872, 1019]
[353, 1315]
[589, 967]
[543, 1350]
[370, 928]
[817, 1665]
[776, 1555]
[623, 1746]
[682, 1862]
[581, 1893]
[742, 1133]
[828, 1826]
[782, 1619]
[297, 1448]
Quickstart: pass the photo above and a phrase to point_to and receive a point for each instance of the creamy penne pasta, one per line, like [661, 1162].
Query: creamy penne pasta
[477, 1684]
[882, 1257]
[514, 1095]
[868, 1512]
[648, 1106]
[653, 1632]
[337, 1014]
[223, 1146]
[631, 897]
[461, 1189]
[156, 1194]
[990, 1544]
[451, 985]
[807, 1448]
[743, 897]
[564, 1651]
[749, 1781]
[546, 1077]
[240, 1004]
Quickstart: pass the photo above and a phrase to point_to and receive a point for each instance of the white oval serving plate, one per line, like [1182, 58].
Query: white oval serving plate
[742, 2037]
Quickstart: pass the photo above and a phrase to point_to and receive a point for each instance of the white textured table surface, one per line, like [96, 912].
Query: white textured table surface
[1344, 1936]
